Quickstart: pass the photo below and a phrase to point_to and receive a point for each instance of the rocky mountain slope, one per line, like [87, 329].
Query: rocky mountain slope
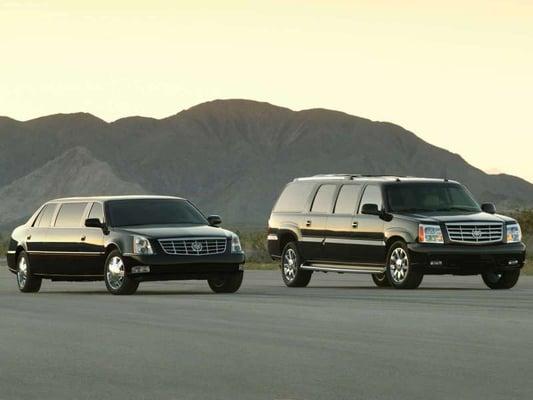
[229, 156]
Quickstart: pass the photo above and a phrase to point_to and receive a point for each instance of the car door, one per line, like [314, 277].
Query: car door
[314, 224]
[342, 241]
[92, 252]
[65, 238]
[40, 258]
[369, 247]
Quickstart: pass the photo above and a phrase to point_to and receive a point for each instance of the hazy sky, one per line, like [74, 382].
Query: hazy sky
[459, 74]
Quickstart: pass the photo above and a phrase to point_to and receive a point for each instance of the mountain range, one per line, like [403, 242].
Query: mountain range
[231, 157]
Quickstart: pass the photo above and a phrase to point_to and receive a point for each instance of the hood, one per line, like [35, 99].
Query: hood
[440, 216]
[175, 231]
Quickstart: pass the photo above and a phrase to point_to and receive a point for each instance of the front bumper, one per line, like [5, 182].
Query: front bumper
[466, 260]
[172, 267]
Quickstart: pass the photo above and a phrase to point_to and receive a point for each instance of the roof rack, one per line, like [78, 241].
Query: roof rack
[349, 176]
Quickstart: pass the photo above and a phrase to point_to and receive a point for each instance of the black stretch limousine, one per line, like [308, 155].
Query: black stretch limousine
[124, 240]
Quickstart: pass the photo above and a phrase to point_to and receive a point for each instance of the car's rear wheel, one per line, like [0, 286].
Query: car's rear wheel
[399, 270]
[381, 280]
[501, 280]
[27, 282]
[226, 283]
[115, 277]
[292, 274]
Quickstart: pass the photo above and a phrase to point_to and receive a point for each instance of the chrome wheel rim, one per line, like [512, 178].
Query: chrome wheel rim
[115, 272]
[289, 264]
[22, 272]
[399, 265]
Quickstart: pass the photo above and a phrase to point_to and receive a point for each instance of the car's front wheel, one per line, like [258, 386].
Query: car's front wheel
[27, 282]
[292, 274]
[501, 280]
[399, 270]
[115, 277]
[226, 283]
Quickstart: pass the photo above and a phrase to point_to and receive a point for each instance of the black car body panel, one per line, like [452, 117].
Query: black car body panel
[79, 252]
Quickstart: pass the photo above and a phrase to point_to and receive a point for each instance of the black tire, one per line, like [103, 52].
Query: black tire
[115, 276]
[381, 280]
[503, 280]
[226, 283]
[26, 281]
[292, 274]
[400, 273]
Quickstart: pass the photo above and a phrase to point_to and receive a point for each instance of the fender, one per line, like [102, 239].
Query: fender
[405, 234]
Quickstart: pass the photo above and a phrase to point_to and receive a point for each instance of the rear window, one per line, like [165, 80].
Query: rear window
[294, 197]
[69, 215]
[45, 216]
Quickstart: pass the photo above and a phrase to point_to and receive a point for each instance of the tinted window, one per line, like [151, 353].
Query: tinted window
[372, 195]
[153, 212]
[324, 199]
[430, 197]
[97, 212]
[69, 215]
[294, 197]
[347, 199]
[45, 216]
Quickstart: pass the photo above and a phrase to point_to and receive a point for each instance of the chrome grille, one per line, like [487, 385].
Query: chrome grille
[193, 246]
[475, 232]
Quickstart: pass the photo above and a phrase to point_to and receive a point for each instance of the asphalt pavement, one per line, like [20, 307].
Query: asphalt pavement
[339, 338]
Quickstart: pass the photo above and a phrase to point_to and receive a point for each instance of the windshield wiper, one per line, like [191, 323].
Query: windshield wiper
[456, 208]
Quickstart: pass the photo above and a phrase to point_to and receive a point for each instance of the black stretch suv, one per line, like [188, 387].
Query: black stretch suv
[123, 241]
[397, 229]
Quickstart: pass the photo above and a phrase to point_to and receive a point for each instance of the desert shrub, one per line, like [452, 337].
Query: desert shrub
[255, 246]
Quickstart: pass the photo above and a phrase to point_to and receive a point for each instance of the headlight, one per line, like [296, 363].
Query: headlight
[514, 233]
[235, 244]
[142, 246]
[430, 234]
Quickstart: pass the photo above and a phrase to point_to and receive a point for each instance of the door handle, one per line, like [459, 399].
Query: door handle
[83, 238]
[308, 222]
[28, 237]
[355, 224]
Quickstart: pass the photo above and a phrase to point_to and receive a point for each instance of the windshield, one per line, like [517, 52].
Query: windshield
[430, 197]
[153, 212]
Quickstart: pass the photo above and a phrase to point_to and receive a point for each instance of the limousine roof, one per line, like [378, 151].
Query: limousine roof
[370, 178]
[107, 198]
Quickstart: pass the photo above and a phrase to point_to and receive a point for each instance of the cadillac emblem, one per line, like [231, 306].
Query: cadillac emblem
[196, 246]
[476, 233]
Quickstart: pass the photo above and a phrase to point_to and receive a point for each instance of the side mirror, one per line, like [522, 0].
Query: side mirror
[214, 220]
[370, 209]
[93, 223]
[489, 208]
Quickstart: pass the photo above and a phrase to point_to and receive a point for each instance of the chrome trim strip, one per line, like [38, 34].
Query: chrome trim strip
[11, 252]
[362, 242]
[312, 239]
[72, 275]
[356, 269]
[77, 253]
[272, 236]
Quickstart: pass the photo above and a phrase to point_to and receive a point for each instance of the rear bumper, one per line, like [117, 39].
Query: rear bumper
[168, 267]
[466, 260]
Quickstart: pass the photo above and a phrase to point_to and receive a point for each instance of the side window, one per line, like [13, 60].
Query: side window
[323, 199]
[69, 215]
[97, 212]
[45, 217]
[372, 195]
[294, 197]
[347, 199]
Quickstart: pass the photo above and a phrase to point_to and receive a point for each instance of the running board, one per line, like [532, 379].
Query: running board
[355, 269]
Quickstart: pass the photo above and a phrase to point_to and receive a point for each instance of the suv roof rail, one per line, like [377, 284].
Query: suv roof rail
[349, 176]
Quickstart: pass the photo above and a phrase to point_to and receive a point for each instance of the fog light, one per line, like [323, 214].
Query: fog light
[512, 262]
[435, 263]
[140, 269]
